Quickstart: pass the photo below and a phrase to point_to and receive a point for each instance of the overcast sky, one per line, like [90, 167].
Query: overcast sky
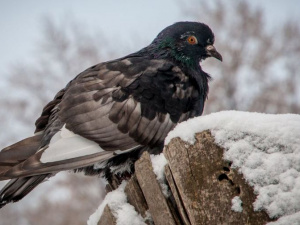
[20, 23]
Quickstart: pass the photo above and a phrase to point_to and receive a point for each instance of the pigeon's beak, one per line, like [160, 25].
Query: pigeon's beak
[211, 51]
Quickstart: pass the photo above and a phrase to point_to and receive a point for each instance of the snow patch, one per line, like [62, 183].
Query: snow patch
[293, 219]
[158, 164]
[265, 148]
[237, 204]
[120, 208]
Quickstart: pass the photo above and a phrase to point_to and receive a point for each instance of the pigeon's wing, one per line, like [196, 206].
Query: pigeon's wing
[108, 109]
[131, 102]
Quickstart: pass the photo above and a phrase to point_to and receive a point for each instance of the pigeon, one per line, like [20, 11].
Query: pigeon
[112, 112]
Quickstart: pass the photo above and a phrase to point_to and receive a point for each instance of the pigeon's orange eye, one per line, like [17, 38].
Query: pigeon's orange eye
[192, 40]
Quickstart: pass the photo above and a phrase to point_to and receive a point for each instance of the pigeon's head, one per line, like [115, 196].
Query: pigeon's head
[186, 42]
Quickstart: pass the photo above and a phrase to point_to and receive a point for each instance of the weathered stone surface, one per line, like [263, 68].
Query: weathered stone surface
[156, 201]
[135, 196]
[206, 184]
[107, 217]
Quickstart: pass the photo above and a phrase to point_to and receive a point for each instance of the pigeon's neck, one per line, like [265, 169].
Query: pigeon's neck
[201, 78]
[167, 49]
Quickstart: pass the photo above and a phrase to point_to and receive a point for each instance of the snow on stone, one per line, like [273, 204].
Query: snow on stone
[237, 204]
[158, 164]
[287, 220]
[264, 148]
[120, 208]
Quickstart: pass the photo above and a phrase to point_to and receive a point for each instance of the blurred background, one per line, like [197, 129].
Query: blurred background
[45, 44]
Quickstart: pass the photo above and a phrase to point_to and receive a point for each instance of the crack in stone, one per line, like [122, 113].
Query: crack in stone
[194, 178]
[180, 199]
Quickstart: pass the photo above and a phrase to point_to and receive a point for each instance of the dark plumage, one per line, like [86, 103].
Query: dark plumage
[128, 104]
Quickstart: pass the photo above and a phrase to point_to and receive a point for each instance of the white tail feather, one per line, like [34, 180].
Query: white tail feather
[67, 145]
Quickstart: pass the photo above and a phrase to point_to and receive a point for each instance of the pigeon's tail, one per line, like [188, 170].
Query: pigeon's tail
[12, 155]
[18, 152]
[17, 188]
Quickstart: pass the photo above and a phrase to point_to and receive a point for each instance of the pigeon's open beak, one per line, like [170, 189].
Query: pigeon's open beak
[212, 52]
